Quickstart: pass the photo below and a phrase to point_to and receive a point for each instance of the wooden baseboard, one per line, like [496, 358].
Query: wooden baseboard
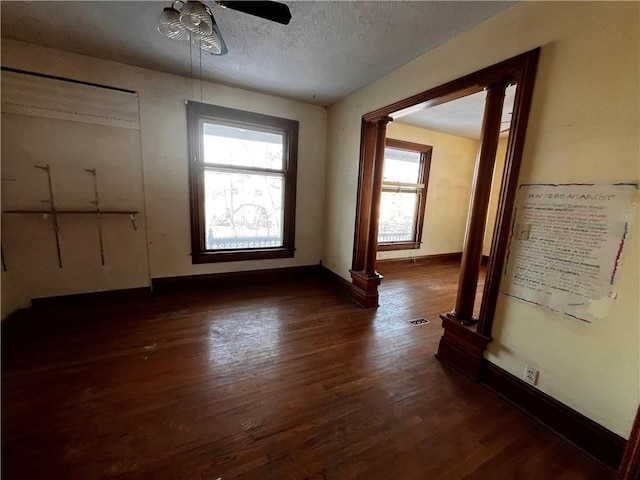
[423, 259]
[595, 439]
[630, 465]
[91, 297]
[342, 284]
[189, 282]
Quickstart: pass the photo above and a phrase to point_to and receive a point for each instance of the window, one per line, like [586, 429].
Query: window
[242, 170]
[405, 176]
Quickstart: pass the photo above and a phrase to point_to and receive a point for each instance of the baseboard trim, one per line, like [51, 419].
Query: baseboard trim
[341, 284]
[630, 465]
[190, 282]
[422, 259]
[595, 439]
[91, 297]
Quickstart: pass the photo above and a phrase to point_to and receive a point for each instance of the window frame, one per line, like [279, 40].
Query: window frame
[199, 113]
[425, 152]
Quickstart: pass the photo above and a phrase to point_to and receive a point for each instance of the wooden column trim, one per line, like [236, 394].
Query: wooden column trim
[520, 69]
[481, 190]
[525, 80]
[462, 347]
[363, 213]
[364, 289]
[376, 195]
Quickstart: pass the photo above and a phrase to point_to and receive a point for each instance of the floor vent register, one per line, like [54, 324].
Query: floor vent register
[418, 321]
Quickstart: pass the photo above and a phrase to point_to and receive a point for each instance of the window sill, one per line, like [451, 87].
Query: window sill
[385, 247]
[241, 255]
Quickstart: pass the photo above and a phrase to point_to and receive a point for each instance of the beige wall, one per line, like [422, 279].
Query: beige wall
[584, 127]
[28, 241]
[163, 148]
[449, 189]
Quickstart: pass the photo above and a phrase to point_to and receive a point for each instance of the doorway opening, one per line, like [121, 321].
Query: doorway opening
[466, 336]
[428, 171]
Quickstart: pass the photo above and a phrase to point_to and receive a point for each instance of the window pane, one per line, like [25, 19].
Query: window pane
[401, 165]
[397, 216]
[242, 147]
[243, 210]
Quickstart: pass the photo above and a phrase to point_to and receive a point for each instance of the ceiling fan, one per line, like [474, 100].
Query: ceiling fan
[193, 21]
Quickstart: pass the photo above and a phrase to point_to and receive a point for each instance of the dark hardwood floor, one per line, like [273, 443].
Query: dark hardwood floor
[279, 381]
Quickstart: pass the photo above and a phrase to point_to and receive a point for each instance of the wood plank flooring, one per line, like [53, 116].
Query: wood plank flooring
[279, 381]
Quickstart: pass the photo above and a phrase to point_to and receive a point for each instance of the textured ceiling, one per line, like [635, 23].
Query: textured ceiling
[462, 117]
[327, 51]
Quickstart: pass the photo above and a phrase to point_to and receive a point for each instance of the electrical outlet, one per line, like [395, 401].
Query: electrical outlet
[530, 375]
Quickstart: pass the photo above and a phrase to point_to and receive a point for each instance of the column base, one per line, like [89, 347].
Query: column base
[465, 320]
[462, 347]
[364, 289]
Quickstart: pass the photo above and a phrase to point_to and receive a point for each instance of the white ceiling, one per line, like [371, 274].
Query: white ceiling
[462, 117]
[329, 49]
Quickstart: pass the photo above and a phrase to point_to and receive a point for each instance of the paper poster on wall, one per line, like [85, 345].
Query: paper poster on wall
[566, 245]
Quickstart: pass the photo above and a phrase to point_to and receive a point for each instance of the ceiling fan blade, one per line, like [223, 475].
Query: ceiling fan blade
[274, 11]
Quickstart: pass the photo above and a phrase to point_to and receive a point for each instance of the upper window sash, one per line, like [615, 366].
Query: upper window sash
[402, 165]
[221, 145]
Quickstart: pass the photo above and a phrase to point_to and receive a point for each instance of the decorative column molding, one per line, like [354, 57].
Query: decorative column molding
[478, 209]
[376, 195]
[364, 290]
[365, 179]
[460, 345]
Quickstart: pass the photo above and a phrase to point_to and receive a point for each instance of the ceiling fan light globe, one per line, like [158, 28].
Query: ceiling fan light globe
[210, 44]
[193, 20]
[169, 25]
[173, 32]
[196, 18]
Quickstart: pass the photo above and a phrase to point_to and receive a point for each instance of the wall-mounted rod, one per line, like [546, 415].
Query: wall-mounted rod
[54, 215]
[96, 202]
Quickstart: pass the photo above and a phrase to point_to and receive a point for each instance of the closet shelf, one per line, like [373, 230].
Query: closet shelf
[74, 212]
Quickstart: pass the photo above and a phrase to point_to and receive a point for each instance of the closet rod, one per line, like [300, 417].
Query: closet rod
[65, 79]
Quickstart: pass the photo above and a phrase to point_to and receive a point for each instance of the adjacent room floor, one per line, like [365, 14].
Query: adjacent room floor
[279, 381]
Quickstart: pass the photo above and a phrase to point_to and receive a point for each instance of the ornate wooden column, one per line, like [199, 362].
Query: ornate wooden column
[461, 346]
[364, 289]
[478, 209]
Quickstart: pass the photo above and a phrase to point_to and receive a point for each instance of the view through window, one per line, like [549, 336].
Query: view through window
[243, 184]
[405, 176]
[243, 187]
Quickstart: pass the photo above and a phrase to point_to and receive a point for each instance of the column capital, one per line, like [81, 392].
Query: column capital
[501, 83]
